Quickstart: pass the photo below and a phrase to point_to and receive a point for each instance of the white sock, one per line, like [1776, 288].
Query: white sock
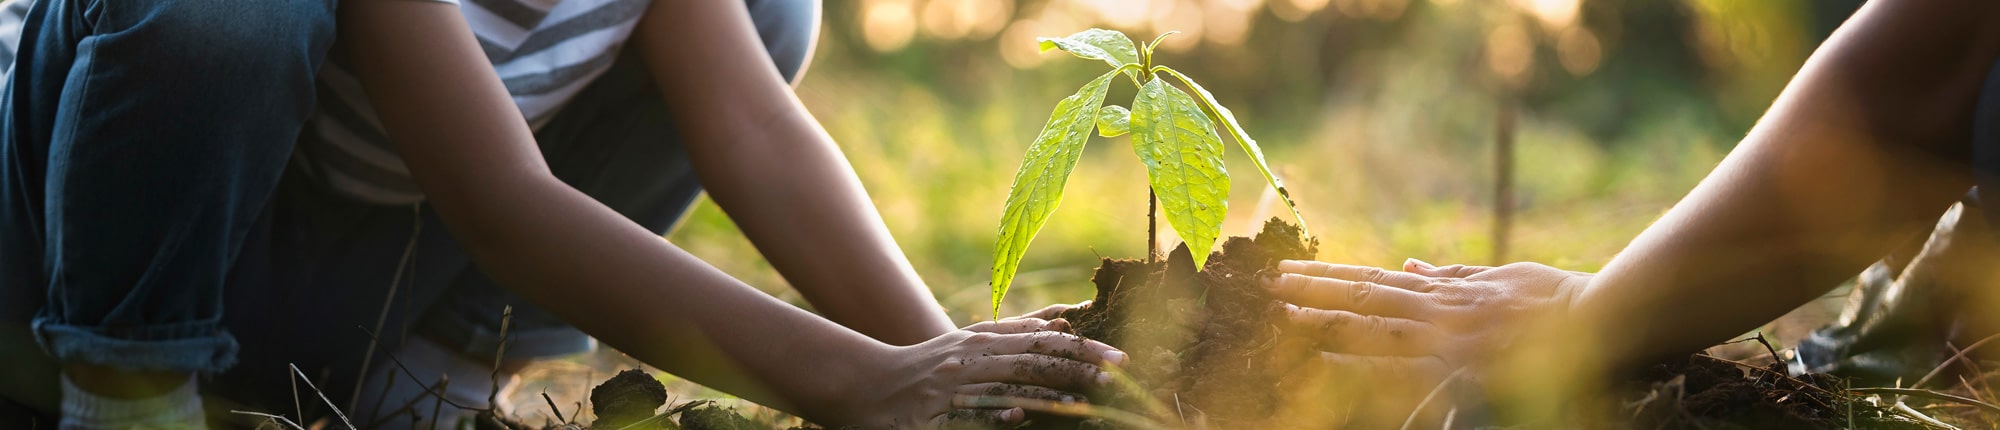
[179, 409]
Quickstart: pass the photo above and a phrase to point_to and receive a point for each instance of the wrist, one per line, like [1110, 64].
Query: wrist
[853, 384]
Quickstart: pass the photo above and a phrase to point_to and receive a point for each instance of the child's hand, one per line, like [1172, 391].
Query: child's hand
[949, 379]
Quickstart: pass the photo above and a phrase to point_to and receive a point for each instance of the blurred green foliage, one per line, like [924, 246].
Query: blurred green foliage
[1379, 114]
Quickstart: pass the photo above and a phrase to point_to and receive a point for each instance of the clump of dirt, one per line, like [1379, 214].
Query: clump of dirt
[1706, 392]
[712, 417]
[1198, 340]
[627, 398]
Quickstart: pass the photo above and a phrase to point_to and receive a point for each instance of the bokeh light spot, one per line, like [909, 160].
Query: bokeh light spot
[1579, 51]
[1510, 53]
[887, 25]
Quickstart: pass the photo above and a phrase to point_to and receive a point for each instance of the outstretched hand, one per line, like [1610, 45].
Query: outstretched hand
[953, 379]
[1418, 325]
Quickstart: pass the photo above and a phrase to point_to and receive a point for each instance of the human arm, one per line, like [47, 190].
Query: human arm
[1861, 152]
[473, 156]
[767, 162]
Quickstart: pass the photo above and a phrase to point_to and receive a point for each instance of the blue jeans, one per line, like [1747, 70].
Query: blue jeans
[144, 189]
[139, 141]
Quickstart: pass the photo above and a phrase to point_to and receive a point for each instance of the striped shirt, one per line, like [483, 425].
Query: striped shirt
[545, 51]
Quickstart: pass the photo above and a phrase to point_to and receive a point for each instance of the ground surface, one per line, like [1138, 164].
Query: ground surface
[1203, 354]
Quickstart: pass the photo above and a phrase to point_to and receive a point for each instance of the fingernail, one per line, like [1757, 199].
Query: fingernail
[1103, 378]
[1418, 263]
[1114, 357]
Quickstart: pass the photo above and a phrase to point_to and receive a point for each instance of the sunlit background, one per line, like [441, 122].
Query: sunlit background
[1384, 118]
[1382, 115]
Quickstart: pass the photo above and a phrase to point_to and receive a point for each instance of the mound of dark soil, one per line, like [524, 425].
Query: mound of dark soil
[1197, 340]
[1705, 392]
[630, 396]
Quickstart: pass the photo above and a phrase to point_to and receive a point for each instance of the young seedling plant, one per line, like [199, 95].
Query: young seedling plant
[1174, 136]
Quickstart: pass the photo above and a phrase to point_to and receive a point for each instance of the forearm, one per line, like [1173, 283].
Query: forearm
[1862, 151]
[475, 159]
[1755, 241]
[806, 211]
[654, 301]
[769, 164]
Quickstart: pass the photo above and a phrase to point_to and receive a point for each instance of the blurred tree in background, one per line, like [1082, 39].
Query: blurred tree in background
[1381, 114]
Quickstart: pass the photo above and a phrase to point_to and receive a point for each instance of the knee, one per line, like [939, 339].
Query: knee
[240, 52]
[238, 33]
[789, 29]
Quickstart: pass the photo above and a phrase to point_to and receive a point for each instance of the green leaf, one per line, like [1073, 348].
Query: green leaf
[1152, 46]
[1250, 147]
[1113, 121]
[1097, 44]
[1038, 186]
[1183, 157]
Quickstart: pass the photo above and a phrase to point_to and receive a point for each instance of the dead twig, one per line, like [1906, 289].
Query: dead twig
[388, 386]
[1979, 391]
[413, 376]
[444, 383]
[1989, 407]
[1960, 355]
[322, 396]
[276, 418]
[1920, 417]
[499, 355]
[552, 406]
[1760, 339]
[408, 407]
[1766, 371]
[295, 397]
[388, 300]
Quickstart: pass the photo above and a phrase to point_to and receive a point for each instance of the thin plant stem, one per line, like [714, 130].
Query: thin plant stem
[437, 409]
[322, 396]
[274, 418]
[499, 355]
[1152, 226]
[388, 302]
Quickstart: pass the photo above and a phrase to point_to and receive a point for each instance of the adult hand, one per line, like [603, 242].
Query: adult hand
[954, 379]
[1419, 324]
